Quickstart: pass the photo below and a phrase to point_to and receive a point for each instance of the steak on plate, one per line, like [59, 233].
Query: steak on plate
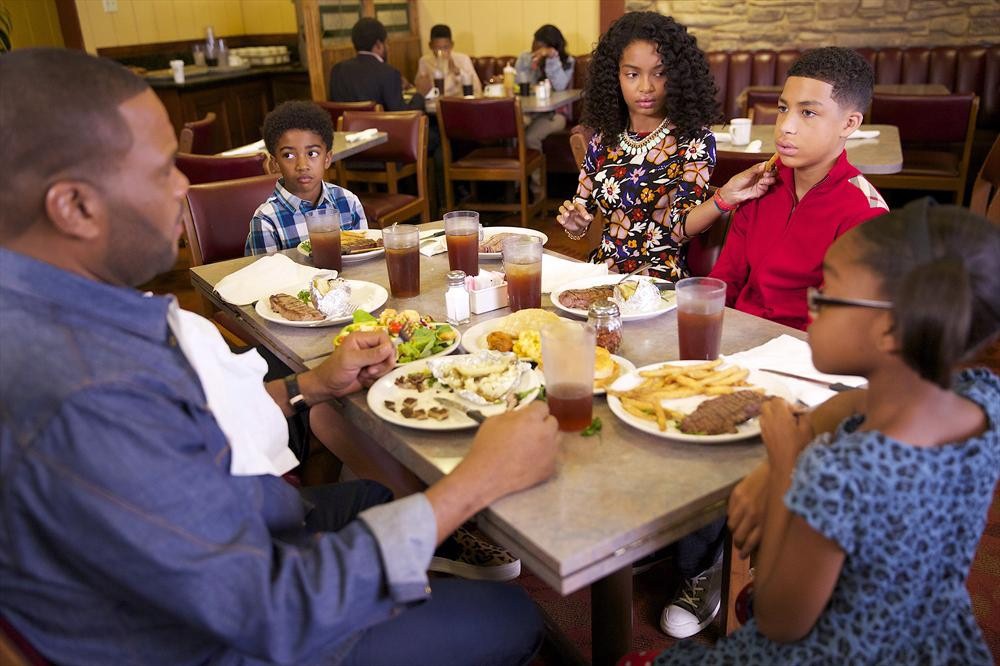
[582, 298]
[293, 309]
[721, 415]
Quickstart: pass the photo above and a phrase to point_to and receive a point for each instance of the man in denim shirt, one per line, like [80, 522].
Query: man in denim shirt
[125, 537]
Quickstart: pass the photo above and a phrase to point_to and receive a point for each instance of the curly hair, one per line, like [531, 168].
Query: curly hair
[846, 70]
[691, 91]
[297, 115]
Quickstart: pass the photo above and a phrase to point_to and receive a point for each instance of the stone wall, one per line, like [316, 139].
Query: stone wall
[722, 25]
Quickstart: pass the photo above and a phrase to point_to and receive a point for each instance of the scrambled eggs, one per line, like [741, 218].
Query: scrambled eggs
[529, 345]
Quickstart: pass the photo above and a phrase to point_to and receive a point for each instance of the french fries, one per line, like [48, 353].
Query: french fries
[769, 165]
[669, 382]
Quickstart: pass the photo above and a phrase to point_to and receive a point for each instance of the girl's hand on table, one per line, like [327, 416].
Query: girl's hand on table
[785, 432]
[573, 217]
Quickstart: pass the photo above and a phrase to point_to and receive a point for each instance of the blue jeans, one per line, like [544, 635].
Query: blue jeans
[465, 622]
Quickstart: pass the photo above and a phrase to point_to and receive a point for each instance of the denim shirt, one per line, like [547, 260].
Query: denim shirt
[123, 537]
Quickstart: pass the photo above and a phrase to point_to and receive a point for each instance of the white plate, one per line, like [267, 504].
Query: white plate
[367, 296]
[489, 232]
[625, 367]
[474, 338]
[355, 257]
[745, 430]
[385, 389]
[667, 303]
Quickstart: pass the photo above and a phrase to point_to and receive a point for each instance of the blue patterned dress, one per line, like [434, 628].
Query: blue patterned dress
[909, 519]
[644, 197]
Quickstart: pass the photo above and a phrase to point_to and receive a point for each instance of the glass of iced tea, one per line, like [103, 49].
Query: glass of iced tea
[461, 230]
[402, 258]
[700, 304]
[568, 360]
[522, 263]
[324, 234]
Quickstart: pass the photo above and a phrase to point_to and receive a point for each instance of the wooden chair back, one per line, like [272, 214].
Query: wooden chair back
[198, 137]
[986, 189]
[201, 169]
[404, 155]
[337, 109]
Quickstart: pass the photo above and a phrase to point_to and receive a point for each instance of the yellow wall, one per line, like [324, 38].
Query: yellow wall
[150, 21]
[505, 27]
[35, 23]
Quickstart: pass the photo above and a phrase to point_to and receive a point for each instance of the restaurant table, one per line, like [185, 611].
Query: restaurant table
[891, 88]
[530, 103]
[341, 146]
[880, 155]
[617, 496]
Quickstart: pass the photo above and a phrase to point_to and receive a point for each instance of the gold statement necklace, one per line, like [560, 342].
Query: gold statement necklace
[633, 147]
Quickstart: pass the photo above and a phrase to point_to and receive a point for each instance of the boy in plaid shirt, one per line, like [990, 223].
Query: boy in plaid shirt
[299, 136]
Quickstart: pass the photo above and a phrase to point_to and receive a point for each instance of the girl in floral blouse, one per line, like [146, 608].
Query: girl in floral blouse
[648, 164]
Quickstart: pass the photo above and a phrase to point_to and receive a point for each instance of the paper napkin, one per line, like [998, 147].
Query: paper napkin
[263, 277]
[864, 134]
[557, 272]
[433, 246]
[250, 149]
[754, 146]
[361, 135]
[792, 355]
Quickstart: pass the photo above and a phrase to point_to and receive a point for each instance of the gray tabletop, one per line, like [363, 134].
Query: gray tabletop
[880, 155]
[530, 103]
[617, 496]
[341, 146]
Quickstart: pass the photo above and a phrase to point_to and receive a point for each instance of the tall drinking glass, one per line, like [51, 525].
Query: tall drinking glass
[568, 360]
[700, 306]
[402, 258]
[461, 230]
[522, 262]
[324, 234]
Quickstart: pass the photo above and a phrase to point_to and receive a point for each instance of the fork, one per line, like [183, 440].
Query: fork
[641, 268]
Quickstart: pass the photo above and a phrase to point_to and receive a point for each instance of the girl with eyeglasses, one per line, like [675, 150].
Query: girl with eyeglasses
[872, 505]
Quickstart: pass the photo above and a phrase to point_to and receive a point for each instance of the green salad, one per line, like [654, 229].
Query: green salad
[306, 246]
[415, 337]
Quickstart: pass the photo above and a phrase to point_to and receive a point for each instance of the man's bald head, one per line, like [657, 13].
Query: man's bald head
[59, 120]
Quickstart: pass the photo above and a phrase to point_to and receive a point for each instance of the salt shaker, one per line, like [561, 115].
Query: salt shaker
[606, 319]
[456, 299]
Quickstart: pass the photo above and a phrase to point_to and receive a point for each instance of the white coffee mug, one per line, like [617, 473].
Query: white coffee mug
[739, 128]
[178, 69]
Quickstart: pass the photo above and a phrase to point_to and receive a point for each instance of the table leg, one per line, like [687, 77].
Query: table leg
[611, 616]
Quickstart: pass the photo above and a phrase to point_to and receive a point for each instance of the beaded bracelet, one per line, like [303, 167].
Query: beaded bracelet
[721, 204]
[576, 237]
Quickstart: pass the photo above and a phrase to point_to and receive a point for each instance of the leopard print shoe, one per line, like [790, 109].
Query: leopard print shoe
[468, 554]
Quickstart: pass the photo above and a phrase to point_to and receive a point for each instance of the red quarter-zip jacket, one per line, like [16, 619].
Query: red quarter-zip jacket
[775, 246]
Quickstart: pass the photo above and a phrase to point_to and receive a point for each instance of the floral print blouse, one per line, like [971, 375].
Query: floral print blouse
[645, 197]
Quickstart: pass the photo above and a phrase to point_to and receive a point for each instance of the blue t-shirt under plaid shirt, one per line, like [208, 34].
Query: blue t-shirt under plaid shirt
[280, 222]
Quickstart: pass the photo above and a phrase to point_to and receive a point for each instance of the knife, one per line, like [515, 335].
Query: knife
[473, 414]
[836, 386]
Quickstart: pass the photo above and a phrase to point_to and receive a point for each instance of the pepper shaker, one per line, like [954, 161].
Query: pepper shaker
[606, 319]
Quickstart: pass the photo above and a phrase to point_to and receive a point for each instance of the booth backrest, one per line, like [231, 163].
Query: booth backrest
[961, 69]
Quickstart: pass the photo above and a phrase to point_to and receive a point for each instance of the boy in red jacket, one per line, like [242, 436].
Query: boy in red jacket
[775, 246]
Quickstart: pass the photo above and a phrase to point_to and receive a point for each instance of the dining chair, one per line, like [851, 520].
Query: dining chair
[198, 136]
[201, 169]
[936, 133]
[494, 121]
[404, 156]
[337, 109]
[763, 114]
[986, 189]
[217, 221]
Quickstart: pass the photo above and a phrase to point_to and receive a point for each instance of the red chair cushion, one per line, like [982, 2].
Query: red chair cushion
[210, 168]
[379, 204]
[495, 158]
[221, 213]
[403, 128]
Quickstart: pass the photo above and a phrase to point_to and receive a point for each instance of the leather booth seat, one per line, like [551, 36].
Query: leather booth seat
[961, 69]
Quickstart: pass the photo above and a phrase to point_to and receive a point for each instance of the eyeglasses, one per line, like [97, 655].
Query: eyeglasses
[816, 299]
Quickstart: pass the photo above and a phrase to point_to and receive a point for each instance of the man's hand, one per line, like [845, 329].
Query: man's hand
[511, 452]
[573, 217]
[748, 184]
[361, 358]
[746, 510]
[785, 433]
[423, 83]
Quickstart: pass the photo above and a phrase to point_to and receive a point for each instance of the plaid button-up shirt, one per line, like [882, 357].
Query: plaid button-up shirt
[280, 222]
